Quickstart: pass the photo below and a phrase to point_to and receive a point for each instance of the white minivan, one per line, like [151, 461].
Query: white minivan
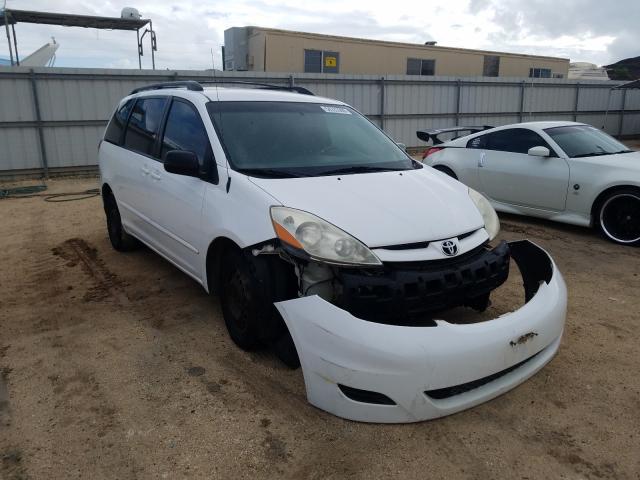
[326, 242]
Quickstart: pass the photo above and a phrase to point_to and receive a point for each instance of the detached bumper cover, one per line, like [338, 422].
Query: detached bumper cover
[374, 372]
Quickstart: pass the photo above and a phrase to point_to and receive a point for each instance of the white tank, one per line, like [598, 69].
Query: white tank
[130, 12]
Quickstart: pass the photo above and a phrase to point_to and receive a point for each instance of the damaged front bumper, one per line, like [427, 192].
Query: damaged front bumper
[373, 372]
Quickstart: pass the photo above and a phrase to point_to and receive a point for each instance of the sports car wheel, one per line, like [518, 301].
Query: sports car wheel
[619, 217]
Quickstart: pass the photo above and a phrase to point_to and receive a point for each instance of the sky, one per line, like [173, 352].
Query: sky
[190, 33]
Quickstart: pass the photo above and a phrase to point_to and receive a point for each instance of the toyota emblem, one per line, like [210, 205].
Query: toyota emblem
[449, 248]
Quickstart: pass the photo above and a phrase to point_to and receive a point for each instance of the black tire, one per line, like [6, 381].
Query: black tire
[618, 216]
[120, 240]
[241, 301]
[248, 288]
[446, 170]
[285, 350]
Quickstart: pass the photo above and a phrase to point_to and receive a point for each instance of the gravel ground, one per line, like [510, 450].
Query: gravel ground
[119, 366]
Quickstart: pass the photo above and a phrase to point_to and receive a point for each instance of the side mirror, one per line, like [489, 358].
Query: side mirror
[539, 152]
[182, 163]
[402, 146]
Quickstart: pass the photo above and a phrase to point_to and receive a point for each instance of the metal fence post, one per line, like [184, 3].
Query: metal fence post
[382, 103]
[292, 81]
[577, 100]
[624, 101]
[458, 94]
[521, 113]
[39, 127]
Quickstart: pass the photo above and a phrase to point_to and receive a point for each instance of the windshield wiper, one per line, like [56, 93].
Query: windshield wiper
[269, 173]
[359, 169]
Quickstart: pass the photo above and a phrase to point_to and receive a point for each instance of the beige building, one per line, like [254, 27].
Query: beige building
[271, 50]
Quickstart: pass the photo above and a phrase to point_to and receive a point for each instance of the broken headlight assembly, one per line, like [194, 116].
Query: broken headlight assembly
[321, 240]
[489, 215]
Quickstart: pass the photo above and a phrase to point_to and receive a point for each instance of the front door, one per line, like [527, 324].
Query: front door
[507, 174]
[178, 199]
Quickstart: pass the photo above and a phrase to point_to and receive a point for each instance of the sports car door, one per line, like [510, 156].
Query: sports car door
[509, 175]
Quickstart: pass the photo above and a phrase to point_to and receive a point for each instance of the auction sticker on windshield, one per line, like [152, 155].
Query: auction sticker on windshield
[344, 111]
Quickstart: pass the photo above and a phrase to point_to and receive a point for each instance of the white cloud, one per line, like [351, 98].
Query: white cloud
[188, 31]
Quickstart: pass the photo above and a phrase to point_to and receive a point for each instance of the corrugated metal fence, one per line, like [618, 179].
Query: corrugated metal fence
[53, 118]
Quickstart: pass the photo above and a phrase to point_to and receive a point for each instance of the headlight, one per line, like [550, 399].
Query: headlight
[491, 222]
[320, 239]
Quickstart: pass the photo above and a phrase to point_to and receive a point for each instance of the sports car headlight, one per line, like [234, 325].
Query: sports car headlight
[491, 222]
[319, 238]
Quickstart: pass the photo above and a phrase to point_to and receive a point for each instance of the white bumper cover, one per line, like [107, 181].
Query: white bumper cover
[402, 363]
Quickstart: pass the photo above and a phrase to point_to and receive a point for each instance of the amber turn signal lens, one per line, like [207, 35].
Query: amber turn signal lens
[284, 235]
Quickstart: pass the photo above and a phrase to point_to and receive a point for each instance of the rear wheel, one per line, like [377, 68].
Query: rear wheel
[446, 170]
[120, 240]
[619, 216]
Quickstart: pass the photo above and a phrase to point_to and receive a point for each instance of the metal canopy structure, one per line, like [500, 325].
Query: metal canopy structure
[10, 17]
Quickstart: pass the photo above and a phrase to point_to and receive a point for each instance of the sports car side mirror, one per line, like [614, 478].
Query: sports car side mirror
[539, 152]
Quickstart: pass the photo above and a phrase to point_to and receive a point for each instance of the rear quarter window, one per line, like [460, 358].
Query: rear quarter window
[477, 142]
[116, 126]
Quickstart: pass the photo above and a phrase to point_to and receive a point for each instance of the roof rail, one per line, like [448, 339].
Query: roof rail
[266, 86]
[188, 84]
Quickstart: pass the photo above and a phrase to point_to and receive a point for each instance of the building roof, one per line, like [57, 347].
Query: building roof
[71, 20]
[399, 44]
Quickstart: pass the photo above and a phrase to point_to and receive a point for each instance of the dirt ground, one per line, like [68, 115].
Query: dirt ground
[119, 366]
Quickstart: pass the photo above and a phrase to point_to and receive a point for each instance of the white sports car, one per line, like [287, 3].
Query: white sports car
[563, 171]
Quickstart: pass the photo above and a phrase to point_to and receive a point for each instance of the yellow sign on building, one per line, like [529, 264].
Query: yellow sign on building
[330, 62]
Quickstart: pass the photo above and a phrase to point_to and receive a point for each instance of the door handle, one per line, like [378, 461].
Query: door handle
[481, 160]
[155, 175]
[145, 170]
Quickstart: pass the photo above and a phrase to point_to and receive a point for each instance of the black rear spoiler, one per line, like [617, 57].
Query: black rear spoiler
[432, 134]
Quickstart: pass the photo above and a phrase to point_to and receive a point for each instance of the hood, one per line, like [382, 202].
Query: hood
[629, 161]
[383, 209]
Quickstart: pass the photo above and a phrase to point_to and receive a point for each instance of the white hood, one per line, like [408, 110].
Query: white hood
[383, 209]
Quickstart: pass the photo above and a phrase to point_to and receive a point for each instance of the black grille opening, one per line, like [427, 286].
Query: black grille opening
[448, 392]
[413, 293]
[365, 396]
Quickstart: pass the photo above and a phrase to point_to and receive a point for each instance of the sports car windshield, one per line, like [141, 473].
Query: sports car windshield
[286, 139]
[585, 141]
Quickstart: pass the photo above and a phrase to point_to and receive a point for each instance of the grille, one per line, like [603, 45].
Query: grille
[410, 293]
[448, 392]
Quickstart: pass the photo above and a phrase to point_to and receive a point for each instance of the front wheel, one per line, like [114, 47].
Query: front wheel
[619, 217]
[240, 301]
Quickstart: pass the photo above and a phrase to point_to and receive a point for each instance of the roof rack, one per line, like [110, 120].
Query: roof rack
[188, 84]
[265, 86]
[197, 86]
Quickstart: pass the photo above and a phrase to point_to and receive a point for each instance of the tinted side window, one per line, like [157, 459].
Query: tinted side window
[516, 140]
[116, 126]
[185, 131]
[144, 125]
[477, 142]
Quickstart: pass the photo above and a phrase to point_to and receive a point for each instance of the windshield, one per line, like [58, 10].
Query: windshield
[585, 141]
[286, 139]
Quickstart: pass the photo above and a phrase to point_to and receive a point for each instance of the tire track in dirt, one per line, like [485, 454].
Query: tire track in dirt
[79, 251]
